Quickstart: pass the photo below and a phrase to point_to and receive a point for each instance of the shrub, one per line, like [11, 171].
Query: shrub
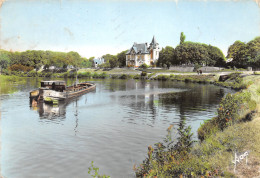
[150, 75]
[143, 66]
[93, 171]
[136, 76]
[20, 67]
[233, 108]
[123, 76]
[95, 75]
[32, 74]
[103, 75]
[163, 77]
[208, 128]
[174, 159]
[143, 74]
[114, 76]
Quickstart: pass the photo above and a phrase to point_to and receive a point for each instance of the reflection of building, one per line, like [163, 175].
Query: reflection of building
[140, 54]
[47, 110]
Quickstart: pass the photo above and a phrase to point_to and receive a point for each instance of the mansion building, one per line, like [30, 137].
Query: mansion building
[141, 53]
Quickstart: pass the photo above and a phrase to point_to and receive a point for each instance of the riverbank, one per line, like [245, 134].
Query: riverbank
[236, 129]
[113, 73]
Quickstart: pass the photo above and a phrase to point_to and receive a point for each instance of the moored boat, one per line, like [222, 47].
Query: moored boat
[57, 90]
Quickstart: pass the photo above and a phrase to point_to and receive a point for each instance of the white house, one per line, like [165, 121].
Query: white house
[98, 61]
[140, 54]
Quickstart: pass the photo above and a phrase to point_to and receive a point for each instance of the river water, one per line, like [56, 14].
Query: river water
[112, 126]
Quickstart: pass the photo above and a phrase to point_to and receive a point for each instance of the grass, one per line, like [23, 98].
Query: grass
[8, 83]
[218, 150]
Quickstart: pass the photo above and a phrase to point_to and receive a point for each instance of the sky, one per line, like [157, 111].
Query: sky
[95, 28]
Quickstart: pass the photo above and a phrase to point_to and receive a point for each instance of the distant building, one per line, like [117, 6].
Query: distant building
[141, 53]
[98, 61]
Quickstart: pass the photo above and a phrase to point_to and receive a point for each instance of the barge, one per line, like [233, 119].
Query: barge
[57, 90]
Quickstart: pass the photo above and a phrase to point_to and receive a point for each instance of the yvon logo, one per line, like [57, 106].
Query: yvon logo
[239, 158]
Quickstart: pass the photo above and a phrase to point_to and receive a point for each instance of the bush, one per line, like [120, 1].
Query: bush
[208, 128]
[123, 76]
[114, 76]
[143, 66]
[103, 75]
[174, 159]
[95, 75]
[136, 76]
[143, 74]
[150, 75]
[32, 74]
[232, 109]
[163, 77]
[20, 67]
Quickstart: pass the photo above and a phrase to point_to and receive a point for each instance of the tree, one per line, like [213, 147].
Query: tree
[191, 53]
[182, 38]
[254, 52]
[111, 59]
[4, 59]
[166, 56]
[216, 56]
[122, 58]
[240, 54]
[74, 59]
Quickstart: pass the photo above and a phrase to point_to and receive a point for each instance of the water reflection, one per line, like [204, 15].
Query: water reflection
[48, 111]
[112, 126]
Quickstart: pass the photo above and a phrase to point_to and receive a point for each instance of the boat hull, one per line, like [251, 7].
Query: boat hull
[70, 92]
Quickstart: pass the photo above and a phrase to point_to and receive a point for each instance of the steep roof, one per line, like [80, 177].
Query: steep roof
[140, 48]
[154, 42]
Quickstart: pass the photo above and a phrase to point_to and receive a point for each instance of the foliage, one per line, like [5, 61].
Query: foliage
[182, 38]
[245, 54]
[136, 76]
[123, 76]
[232, 109]
[143, 74]
[87, 63]
[20, 67]
[143, 66]
[191, 53]
[166, 56]
[235, 81]
[111, 61]
[121, 57]
[173, 158]
[4, 60]
[93, 172]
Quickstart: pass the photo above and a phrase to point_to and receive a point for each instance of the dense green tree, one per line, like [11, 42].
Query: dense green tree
[111, 59]
[245, 54]
[182, 38]
[216, 56]
[239, 53]
[4, 59]
[166, 56]
[122, 58]
[192, 53]
[254, 52]
[73, 59]
[86, 63]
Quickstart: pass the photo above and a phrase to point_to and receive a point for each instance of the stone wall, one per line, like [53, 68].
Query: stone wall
[182, 68]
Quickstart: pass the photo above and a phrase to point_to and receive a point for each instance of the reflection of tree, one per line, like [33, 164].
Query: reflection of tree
[193, 100]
